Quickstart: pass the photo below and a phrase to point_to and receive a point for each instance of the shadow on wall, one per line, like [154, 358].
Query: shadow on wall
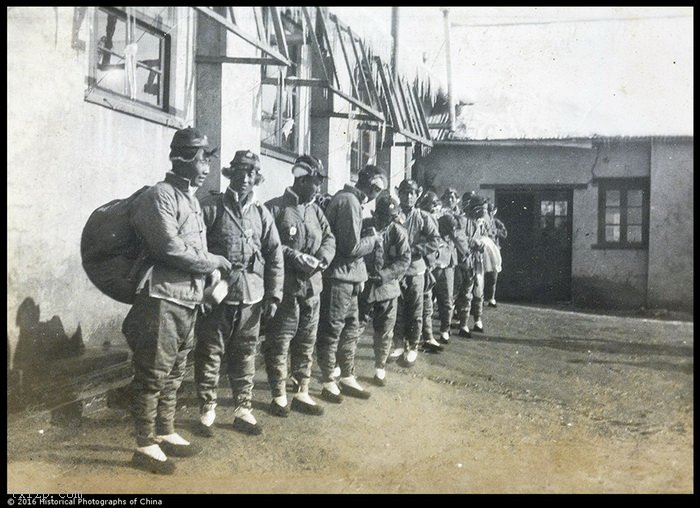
[52, 371]
[39, 346]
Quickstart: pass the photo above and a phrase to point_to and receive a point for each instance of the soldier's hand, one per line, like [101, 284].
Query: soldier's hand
[214, 277]
[223, 263]
[269, 309]
[377, 279]
[307, 263]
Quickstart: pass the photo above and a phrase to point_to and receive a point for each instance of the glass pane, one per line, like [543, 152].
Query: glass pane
[148, 54]
[612, 233]
[110, 73]
[612, 198]
[560, 208]
[111, 31]
[268, 121]
[560, 222]
[634, 216]
[612, 215]
[547, 208]
[634, 234]
[634, 198]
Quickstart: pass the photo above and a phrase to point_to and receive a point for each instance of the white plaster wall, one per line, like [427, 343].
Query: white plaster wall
[66, 157]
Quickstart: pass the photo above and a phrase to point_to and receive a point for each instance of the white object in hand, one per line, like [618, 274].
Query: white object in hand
[217, 292]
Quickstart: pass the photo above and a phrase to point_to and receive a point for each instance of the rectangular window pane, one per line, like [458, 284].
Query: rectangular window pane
[612, 215]
[612, 233]
[634, 234]
[634, 216]
[634, 198]
[560, 222]
[547, 208]
[149, 54]
[268, 121]
[612, 198]
[148, 72]
[560, 208]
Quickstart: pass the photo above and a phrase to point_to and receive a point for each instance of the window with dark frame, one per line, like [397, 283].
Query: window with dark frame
[623, 213]
[363, 148]
[121, 38]
[280, 104]
[553, 214]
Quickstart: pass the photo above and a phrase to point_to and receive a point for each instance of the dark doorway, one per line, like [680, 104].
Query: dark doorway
[537, 252]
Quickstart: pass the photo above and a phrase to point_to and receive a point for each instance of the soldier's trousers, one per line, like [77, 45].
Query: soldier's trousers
[444, 294]
[428, 308]
[230, 330]
[472, 288]
[161, 335]
[383, 315]
[338, 329]
[490, 280]
[409, 315]
[292, 330]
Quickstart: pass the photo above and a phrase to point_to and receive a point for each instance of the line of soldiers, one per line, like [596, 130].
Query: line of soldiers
[220, 268]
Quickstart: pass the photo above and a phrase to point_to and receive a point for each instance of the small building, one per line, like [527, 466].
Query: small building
[601, 221]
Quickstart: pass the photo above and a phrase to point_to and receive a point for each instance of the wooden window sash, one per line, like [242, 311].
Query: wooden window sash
[230, 25]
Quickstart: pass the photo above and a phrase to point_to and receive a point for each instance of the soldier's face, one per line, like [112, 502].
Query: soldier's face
[451, 200]
[195, 170]
[408, 198]
[243, 179]
[308, 187]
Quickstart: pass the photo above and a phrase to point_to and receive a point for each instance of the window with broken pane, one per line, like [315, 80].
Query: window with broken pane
[280, 101]
[131, 56]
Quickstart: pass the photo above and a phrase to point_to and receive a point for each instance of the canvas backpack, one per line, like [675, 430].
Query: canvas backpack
[111, 251]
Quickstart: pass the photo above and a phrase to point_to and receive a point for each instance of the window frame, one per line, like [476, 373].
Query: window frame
[356, 162]
[271, 56]
[321, 33]
[405, 111]
[286, 86]
[163, 114]
[623, 185]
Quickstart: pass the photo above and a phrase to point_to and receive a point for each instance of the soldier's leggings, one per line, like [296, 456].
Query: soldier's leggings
[409, 316]
[490, 280]
[444, 293]
[292, 329]
[383, 324]
[161, 335]
[230, 330]
[338, 328]
[428, 309]
[472, 288]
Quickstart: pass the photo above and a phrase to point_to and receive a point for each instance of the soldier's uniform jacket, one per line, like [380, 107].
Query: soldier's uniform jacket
[303, 228]
[449, 228]
[168, 218]
[471, 248]
[344, 214]
[389, 260]
[246, 234]
[423, 237]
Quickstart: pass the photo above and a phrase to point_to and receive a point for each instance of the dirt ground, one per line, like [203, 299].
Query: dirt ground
[545, 401]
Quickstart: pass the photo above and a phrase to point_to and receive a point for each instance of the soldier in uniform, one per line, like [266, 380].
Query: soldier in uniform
[386, 266]
[430, 203]
[424, 240]
[244, 231]
[309, 247]
[339, 327]
[471, 265]
[159, 328]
